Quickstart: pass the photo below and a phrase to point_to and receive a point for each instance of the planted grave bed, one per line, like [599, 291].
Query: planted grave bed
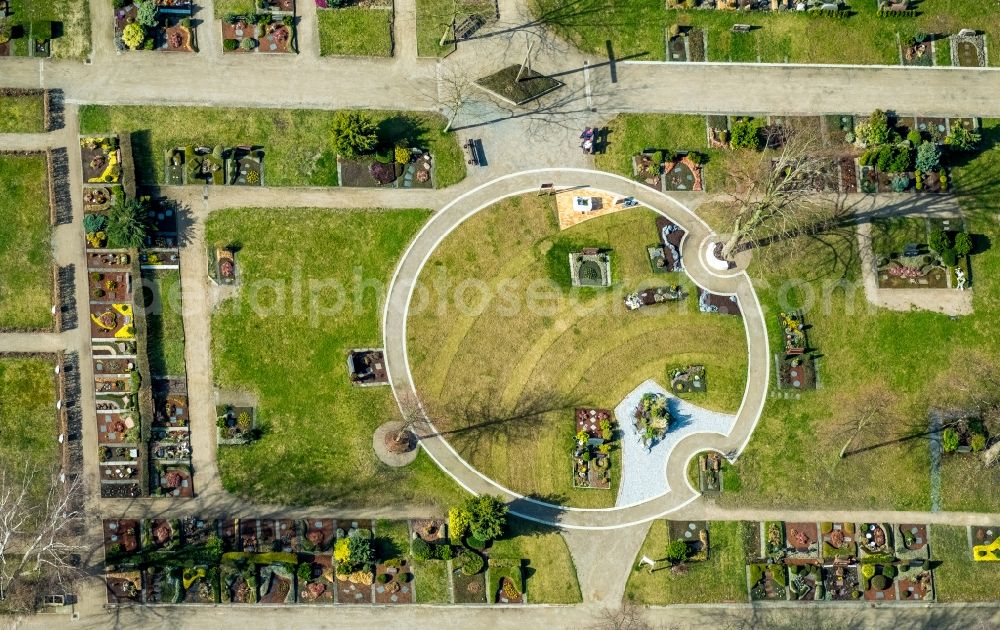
[767, 581]
[101, 159]
[714, 303]
[235, 424]
[806, 582]
[801, 542]
[517, 85]
[694, 534]
[154, 25]
[258, 33]
[838, 541]
[316, 584]
[469, 578]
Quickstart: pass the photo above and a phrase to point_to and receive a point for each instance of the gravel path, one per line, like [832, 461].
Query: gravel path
[644, 471]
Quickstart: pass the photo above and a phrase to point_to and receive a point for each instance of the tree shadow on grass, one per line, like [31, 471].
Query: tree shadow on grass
[402, 129]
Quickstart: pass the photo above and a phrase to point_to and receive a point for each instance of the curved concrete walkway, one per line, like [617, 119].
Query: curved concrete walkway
[734, 283]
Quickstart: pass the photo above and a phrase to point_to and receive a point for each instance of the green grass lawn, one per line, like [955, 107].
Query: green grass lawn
[959, 578]
[392, 539]
[550, 573]
[534, 359]
[28, 418]
[431, 582]
[721, 578]
[638, 27]
[917, 357]
[22, 114]
[355, 31]
[164, 322]
[434, 16]
[235, 7]
[25, 248]
[297, 143]
[317, 443]
[71, 23]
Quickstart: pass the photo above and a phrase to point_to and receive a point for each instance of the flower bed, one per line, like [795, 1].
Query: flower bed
[652, 417]
[101, 159]
[235, 425]
[258, 33]
[319, 587]
[112, 321]
[688, 379]
[110, 286]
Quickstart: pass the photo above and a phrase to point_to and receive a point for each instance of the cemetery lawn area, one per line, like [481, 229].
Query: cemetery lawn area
[959, 578]
[22, 114]
[164, 322]
[238, 7]
[638, 27]
[317, 442]
[25, 247]
[721, 578]
[432, 577]
[629, 134]
[297, 142]
[355, 31]
[536, 361]
[73, 15]
[551, 574]
[28, 417]
[864, 349]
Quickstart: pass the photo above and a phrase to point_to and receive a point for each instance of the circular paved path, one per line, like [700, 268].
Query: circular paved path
[734, 283]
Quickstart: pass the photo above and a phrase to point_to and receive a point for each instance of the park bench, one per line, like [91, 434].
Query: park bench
[471, 155]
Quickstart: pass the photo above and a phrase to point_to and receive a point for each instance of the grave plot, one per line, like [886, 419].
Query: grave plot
[796, 367]
[225, 266]
[430, 530]
[112, 321]
[235, 424]
[914, 569]
[647, 168]
[318, 535]
[801, 542]
[101, 158]
[932, 128]
[773, 540]
[914, 253]
[122, 537]
[964, 436]
[248, 536]
[204, 166]
[710, 473]
[246, 166]
[985, 543]
[108, 260]
[366, 367]
[469, 578]
[170, 406]
[160, 534]
[115, 422]
[238, 585]
[171, 474]
[682, 172]
[506, 581]
[263, 32]
[685, 43]
[162, 585]
[654, 296]
[841, 582]
[277, 584]
[163, 25]
[124, 587]
[878, 581]
[695, 536]
[316, 580]
[874, 538]
[517, 85]
[838, 129]
[688, 379]
[393, 570]
[200, 584]
[112, 384]
[715, 303]
[767, 582]
[286, 535]
[117, 367]
[229, 533]
[968, 49]
[355, 556]
[717, 128]
[666, 256]
[197, 531]
[110, 286]
[97, 198]
[390, 167]
[806, 583]
[916, 50]
[592, 446]
[838, 541]
[28, 39]
[590, 268]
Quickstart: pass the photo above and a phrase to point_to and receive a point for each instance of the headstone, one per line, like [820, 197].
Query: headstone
[742, 28]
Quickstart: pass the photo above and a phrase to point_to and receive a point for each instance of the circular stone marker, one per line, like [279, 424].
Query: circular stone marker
[387, 457]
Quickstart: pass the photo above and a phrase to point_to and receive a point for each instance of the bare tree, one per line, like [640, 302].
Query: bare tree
[37, 536]
[777, 196]
[454, 90]
[872, 412]
[629, 617]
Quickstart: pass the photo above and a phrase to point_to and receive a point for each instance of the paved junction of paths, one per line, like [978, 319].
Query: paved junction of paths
[545, 138]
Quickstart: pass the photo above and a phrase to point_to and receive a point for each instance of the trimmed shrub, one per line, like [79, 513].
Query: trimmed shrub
[938, 241]
[443, 552]
[383, 578]
[880, 582]
[677, 551]
[475, 543]
[949, 439]
[354, 133]
[949, 257]
[305, 572]
[472, 562]
[928, 157]
[977, 442]
[248, 44]
[963, 244]
[889, 571]
[420, 550]
[229, 45]
[745, 135]
[914, 137]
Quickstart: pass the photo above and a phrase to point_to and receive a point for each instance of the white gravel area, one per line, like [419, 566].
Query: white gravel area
[644, 472]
